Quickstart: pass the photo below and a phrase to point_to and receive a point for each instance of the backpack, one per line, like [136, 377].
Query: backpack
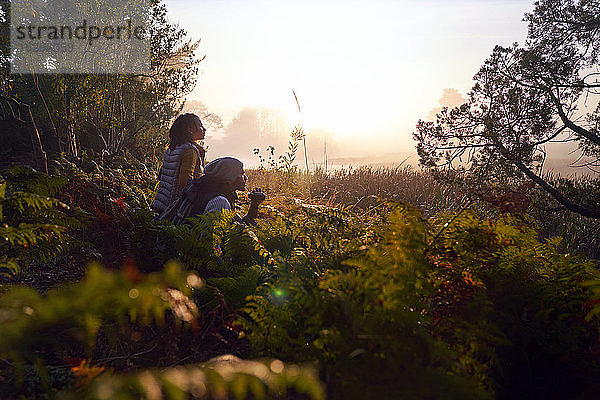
[191, 202]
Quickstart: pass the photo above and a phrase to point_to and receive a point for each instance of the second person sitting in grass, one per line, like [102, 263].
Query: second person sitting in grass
[215, 191]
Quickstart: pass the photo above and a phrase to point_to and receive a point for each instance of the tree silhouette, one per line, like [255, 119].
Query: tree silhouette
[523, 98]
[450, 98]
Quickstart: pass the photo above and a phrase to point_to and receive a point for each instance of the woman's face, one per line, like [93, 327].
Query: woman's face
[198, 131]
[240, 182]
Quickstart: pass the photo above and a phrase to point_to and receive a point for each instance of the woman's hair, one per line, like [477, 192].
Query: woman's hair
[182, 128]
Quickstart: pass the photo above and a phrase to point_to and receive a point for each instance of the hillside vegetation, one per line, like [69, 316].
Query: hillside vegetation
[357, 284]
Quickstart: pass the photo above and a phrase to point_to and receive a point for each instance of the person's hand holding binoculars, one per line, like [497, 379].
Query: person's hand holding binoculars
[256, 197]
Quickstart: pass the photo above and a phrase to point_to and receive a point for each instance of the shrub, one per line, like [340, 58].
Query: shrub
[36, 227]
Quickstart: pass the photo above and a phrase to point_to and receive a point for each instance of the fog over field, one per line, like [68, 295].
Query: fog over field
[364, 72]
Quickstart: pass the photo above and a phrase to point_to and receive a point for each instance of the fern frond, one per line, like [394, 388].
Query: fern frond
[225, 377]
[236, 289]
[22, 201]
[28, 319]
[24, 178]
[29, 234]
[8, 266]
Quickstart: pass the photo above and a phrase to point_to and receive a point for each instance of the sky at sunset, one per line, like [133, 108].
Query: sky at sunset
[364, 71]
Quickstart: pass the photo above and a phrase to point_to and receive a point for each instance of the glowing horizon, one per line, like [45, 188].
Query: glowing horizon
[360, 69]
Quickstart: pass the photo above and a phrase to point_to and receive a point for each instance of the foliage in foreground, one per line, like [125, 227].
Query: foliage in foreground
[431, 303]
[223, 377]
[35, 329]
[30, 321]
[512, 306]
[389, 302]
[34, 224]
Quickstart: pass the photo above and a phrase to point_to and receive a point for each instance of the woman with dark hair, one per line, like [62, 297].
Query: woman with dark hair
[183, 160]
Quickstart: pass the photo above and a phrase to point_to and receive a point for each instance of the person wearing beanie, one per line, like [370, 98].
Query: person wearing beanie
[216, 191]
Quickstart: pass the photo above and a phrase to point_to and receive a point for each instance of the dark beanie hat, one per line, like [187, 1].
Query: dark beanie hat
[225, 168]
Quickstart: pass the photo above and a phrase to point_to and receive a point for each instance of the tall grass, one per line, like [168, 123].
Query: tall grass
[367, 187]
[363, 187]
[579, 234]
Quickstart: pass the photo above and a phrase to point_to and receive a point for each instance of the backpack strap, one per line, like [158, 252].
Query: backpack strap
[200, 152]
[167, 213]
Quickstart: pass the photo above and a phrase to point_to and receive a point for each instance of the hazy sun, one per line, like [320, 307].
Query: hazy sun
[343, 114]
